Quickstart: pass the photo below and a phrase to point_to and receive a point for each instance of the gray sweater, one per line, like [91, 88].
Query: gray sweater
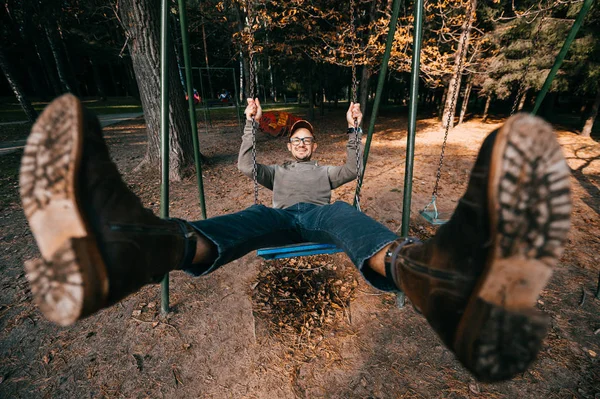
[295, 182]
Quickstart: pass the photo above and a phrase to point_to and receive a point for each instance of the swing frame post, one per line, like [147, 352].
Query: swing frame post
[412, 116]
[192, 108]
[164, 134]
[380, 83]
[587, 4]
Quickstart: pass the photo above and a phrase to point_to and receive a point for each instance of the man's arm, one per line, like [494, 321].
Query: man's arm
[264, 174]
[339, 175]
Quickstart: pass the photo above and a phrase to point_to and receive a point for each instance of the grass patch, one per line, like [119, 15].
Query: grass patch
[14, 132]
[11, 111]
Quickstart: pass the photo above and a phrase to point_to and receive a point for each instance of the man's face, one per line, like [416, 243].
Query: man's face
[299, 147]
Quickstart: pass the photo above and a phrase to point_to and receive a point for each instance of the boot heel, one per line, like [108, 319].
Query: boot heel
[500, 333]
[70, 285]
[500, 343]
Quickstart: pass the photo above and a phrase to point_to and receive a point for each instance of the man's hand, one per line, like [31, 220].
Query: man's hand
[354, 113]
[253, 109]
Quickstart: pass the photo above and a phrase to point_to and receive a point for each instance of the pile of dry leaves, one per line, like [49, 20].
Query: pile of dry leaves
[301, 299]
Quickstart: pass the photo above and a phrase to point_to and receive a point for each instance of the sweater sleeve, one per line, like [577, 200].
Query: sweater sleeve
[265, 174]
[339, 175]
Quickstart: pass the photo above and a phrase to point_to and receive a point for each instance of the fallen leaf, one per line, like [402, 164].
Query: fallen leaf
[474, 388]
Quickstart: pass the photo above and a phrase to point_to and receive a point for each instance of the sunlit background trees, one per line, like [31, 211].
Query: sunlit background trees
[303, 52]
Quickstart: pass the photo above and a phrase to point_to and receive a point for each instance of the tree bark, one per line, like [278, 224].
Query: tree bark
[243, 52]
[16, 87]
[488, 100]
[210, 87]
[522, 100]
[100, 90]
[465, 103]
[443, 102]
[364, 88]
[59, 58]
[141, 21]
[49, 72]
[591, 119]
[322, 92]
[454, 84]
[311, 97]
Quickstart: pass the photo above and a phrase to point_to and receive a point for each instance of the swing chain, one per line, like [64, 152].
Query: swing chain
[521, 85]
[353, 43]
[357, 137]
[455, 93]
[251, 77]
[357, 141]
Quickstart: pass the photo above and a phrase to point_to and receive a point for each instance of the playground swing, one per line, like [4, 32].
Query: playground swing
[418, 21]
[308, 248]
[431, 213]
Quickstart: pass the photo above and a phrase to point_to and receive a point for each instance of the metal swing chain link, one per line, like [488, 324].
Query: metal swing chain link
[354, 98]
[452, 104]
[521, 84]
[353, 44]
[252, 76]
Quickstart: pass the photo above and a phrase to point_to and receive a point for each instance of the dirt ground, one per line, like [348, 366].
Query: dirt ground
[225, 336]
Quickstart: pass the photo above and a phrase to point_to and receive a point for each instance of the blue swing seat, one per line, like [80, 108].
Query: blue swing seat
[291, 251]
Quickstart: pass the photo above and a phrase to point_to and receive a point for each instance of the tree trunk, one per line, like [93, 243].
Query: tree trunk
[59, 58]
[210, 86]
[311, 97]
[100, 90]
[243, 52]
[522, 100]
[322, 93]
[34, 78]
[141, 22]
[364, 88]
[454, 84]
[488, 100]
[272, 80]
[113, 79]
[131, 81]
[443, 102]
[465, 103]
[589, 122]
[49, 72]
[16, 87]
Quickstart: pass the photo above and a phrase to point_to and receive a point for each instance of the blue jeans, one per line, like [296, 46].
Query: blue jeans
[259, 226]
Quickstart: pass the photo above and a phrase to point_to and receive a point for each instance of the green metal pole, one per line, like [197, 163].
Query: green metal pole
[587, 4]
[412, 115]
[380, 82]
[164, 133]
[190, 89]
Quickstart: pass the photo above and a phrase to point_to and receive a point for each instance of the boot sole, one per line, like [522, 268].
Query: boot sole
[500, 333]
[70, 280]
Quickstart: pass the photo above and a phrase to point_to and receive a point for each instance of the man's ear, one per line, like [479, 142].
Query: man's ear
[315, 145]
[289, 146]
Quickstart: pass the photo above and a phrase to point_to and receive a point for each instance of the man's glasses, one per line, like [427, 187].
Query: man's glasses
[305, 140]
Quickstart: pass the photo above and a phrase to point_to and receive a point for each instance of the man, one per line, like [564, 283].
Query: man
[476, 281]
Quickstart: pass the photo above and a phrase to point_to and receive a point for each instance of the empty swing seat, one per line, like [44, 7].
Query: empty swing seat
[435, 218]
[291, 251]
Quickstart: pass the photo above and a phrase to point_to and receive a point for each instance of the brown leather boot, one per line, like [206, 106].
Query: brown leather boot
[98, 243]
[478, 279]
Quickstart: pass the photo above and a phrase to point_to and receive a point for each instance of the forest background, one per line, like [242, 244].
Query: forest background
[303, 51]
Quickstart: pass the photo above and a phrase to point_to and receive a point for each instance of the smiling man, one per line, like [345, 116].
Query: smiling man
[302, 180]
